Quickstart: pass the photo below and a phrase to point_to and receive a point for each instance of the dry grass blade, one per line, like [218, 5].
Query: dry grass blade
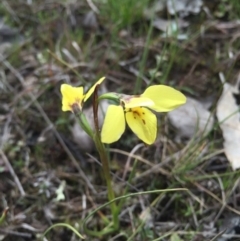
[11, 170]
[218, 235]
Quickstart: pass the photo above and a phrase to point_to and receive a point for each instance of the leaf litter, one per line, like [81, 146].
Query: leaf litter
[228, 115]
[84, 39]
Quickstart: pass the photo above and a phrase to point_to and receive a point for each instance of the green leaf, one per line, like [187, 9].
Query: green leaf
[175, 237]
[4, 214]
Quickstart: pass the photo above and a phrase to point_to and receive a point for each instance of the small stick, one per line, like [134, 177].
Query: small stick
[12, 172]
[92, 6]
[15, 233]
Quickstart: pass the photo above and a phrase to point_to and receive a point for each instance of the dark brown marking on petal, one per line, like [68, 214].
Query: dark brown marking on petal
[126, 110]
[136, 112]
[144, 122]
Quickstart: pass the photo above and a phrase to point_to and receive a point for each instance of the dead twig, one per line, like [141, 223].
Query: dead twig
[15, 233]
[92, 6]
[127, 165]
[12, 172]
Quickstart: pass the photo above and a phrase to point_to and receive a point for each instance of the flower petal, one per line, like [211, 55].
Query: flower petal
[91, 90]
[66, 106]
[71, 95]
[113, 125]
[164, 97]
[132, 102]
[143, 123]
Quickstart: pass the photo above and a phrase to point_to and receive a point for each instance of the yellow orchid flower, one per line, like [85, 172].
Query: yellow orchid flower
[136, 111]
[73, 97]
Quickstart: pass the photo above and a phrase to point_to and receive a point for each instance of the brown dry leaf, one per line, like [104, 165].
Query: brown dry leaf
[229, 121]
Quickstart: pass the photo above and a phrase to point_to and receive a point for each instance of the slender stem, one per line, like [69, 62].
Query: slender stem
[106, 170]
[104, 159]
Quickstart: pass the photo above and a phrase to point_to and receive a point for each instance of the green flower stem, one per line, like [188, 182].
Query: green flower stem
[106, 170]
[110, 96]
[85, 125]
[114, 225]
[83, 122]
[104, 159]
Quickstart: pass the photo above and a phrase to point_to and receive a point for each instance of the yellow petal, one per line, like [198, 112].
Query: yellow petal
[164, 97]
[131, 102]
[66, 106]
[113, 125]
[71, 95]
[143, 123]
[89, 93]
